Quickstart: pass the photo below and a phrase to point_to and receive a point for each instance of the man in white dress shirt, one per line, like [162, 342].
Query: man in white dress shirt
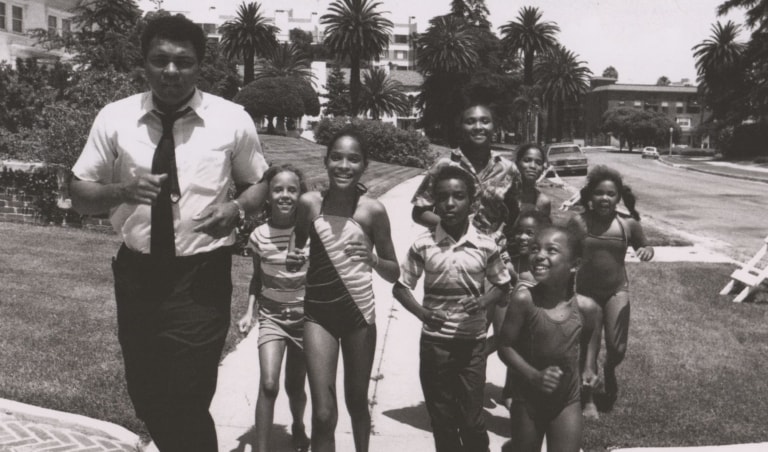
[161, 163]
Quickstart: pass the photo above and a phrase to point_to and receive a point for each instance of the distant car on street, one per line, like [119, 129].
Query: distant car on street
[650, 152]
[567, 158]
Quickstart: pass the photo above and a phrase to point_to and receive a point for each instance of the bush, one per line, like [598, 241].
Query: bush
[748, 141]
[694, 152]
[384, 142]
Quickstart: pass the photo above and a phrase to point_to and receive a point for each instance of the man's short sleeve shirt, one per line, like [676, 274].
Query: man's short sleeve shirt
[216, 144]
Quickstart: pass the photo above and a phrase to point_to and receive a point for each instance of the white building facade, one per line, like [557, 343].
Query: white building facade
[19, 17]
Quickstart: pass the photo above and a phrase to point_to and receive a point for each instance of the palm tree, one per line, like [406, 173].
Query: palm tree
[719, 61]
[528, 105]
[563, 80]
[286, 61]
[448, 46]
[354, 29]
[248, 35]
[447, 54]
[382, 95]
[473, 11]
[529, 36]
[756, 11]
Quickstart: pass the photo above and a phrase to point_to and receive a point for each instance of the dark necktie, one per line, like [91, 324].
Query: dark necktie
[162, 241]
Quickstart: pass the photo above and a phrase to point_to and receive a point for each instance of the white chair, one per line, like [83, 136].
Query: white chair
[750, 274]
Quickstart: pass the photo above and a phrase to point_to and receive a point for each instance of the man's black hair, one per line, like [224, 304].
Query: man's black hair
[174, 28]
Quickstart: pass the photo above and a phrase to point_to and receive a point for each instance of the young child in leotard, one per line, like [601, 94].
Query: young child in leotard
[344, 227]
[517, 259]
[279, 296]
[603, 276]
[464, 276]
[531, 160]
[546, 329]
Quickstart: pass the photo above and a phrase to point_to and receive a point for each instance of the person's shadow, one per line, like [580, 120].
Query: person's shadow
[416, 416]
[280, 440]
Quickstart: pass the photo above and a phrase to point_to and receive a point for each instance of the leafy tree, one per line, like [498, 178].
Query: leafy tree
[106, 37]
[356, 30]
[563, 80]
[248, 35]
[663, 81]
[286, 61]
[382, 95]
[338, 94]
[218, 74]
[475, 12]
[530, 36]
[611, 72]
[638, 127]
[281, 97]
[302, 39]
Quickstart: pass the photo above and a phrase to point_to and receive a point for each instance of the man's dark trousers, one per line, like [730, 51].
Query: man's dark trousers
[452, 376]
[173, 315]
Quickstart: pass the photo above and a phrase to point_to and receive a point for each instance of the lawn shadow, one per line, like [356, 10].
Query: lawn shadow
[417, 417]
[280, 439]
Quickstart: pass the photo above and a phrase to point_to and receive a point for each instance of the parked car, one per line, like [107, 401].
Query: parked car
[567, 158]
[650, 152]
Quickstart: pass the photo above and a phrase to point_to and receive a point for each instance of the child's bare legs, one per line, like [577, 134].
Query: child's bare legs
[526, 435]
[321, 352]
[564, 432]
[358, 349]
[592, 328]
[616, 321]
[270, 360]
[295, 376]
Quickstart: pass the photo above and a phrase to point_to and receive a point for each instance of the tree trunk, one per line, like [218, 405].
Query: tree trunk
[270, 126]
[248, 68]
[528, 69]
[354, 84]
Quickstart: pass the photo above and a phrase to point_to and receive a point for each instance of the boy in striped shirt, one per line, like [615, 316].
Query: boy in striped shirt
[456, 260]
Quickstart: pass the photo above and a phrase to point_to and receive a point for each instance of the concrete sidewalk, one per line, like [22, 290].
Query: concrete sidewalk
[755, 173]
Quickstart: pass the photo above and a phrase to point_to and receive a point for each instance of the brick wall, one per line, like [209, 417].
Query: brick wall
[17, 207]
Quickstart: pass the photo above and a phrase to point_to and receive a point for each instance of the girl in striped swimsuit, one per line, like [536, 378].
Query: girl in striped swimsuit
[280, 297]
[602, 275]
[343, 227]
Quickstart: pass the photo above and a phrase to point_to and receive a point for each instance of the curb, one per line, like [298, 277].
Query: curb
[714, 173]
[82, 424]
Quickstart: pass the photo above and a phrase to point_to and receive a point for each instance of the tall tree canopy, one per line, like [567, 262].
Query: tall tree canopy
[355, 29]
[382, 95]
[248, 35]
[611, 72]
[530, 36]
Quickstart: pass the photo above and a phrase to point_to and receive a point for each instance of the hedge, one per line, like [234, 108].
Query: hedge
[384, 142]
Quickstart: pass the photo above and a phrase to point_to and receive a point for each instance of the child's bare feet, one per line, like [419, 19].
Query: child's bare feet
[299, 438]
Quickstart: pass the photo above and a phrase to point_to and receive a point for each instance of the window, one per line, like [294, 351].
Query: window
[401, 39]
[621, 103]
[400, 55]
[209, 28]
[53, 23]
[664, 107]
[679, 107]
[17, 19]
[66, 25]
[694, 107]
[2, 16]
[684, 123]
[638, 104]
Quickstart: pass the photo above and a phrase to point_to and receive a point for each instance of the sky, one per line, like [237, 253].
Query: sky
[642, 39]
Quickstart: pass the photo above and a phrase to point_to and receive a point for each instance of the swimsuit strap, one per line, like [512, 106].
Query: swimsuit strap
[624, 238]
[360, 190]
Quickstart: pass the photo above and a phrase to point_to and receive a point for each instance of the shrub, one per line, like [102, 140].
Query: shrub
[694, 152]
[385, 142]
[748, 140]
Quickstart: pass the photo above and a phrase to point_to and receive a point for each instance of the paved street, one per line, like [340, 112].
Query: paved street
[724, 213]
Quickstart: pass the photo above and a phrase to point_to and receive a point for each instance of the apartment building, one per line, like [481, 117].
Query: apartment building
[18, 17]
[679, 101]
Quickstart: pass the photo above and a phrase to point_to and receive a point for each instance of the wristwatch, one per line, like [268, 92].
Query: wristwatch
[240, 211]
